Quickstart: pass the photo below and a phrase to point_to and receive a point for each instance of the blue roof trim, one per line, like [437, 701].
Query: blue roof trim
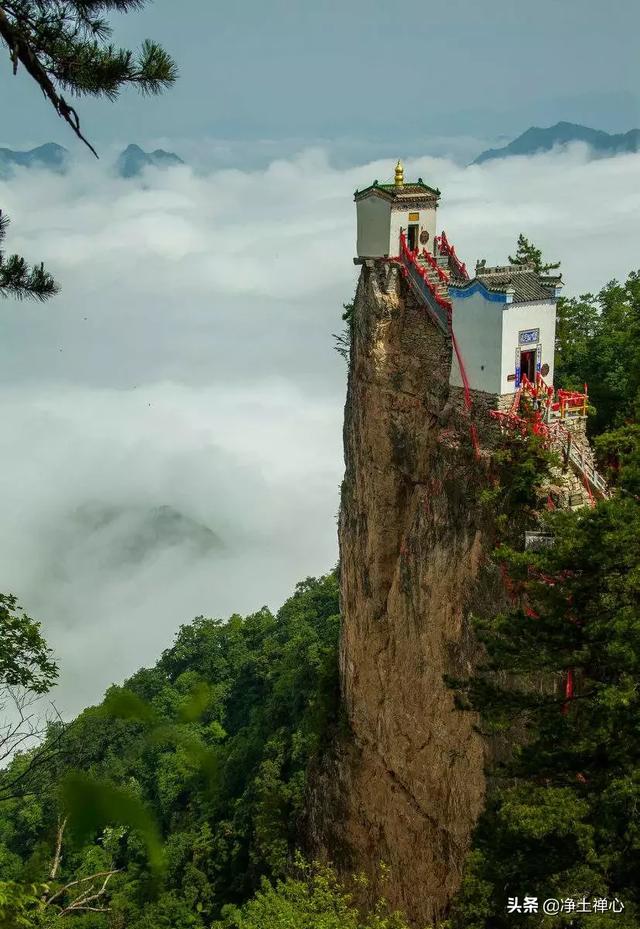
[461, 293]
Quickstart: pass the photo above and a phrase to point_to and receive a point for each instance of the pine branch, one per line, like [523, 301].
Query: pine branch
[21, 51]
[62, 46]
[20, 281]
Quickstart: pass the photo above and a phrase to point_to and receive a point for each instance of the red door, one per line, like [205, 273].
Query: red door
[528, 364]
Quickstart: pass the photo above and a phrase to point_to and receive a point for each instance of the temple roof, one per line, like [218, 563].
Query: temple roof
[523, 282]
[410, 191]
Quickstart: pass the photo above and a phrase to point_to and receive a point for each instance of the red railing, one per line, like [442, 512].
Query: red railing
[513, 422]
[558, 404]
[418, 276]
[553, 432]
[444, 277]
[572, 402]
[538, 390]
[410, 257]
[446, 248]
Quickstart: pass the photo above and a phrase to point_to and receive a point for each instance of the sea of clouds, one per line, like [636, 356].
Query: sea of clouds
[171, 423]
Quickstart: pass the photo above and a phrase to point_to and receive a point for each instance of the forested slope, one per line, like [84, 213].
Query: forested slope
[215, 741]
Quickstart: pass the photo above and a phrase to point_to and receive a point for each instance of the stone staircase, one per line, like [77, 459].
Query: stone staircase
[580, 459]
[444, 254]
[440, 286]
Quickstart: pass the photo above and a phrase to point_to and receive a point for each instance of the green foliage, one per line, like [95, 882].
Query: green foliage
[27, 671]
[619, 450]
[598, 341]
[21, 906]
[92, 806]
[64, 45]
[520, 468]
[25, 659]
[563, 818]
[562, 814]
[343, 339]
[210, 748]
[347, 316]
[315, 899]
[527, 253]
[18, 279]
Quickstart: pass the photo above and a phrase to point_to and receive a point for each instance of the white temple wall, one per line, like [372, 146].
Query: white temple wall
[400, 219]
[477, 325]
[373, 227]
[526, 318]
[379, 223]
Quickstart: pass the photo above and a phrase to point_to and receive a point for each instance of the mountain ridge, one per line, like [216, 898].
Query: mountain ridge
[131, 162]
[51, 156]
[537, 139]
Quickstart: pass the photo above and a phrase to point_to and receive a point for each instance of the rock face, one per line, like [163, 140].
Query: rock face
[406, 784]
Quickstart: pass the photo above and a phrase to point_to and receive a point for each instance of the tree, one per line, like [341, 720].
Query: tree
[313, 899]
[27, 671]
[343, 339]
[559, 687]
[20, 906]
[64, 46]
[200, 763]
[43, 904]
[25, 659]
[598, 341]
[619, 452]
[578, 321]
[527, 253]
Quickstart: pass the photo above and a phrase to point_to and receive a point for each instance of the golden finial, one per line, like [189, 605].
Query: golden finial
[399, 174]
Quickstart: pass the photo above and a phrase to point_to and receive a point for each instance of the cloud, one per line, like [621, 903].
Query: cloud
[171, 423]
[126, 513]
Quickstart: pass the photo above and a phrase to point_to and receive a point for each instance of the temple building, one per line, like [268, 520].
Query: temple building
[505, 324]
[385, 209]
[500, 323]
[503, 318]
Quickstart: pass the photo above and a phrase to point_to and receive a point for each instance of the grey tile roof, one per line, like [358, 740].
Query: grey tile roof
[525, 283]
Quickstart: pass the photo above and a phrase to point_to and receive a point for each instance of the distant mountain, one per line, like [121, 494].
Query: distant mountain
[128, 535]
[134, 160]
[52, 157]
[130, 163]
[536, 140]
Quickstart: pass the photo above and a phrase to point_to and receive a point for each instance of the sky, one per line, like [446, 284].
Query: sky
[171, 441]
[363, 76]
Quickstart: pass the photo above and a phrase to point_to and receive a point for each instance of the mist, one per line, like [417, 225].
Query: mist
[171, 432]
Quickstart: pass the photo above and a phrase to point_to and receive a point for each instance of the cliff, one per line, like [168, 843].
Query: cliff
[404, 785]
[407, 784]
